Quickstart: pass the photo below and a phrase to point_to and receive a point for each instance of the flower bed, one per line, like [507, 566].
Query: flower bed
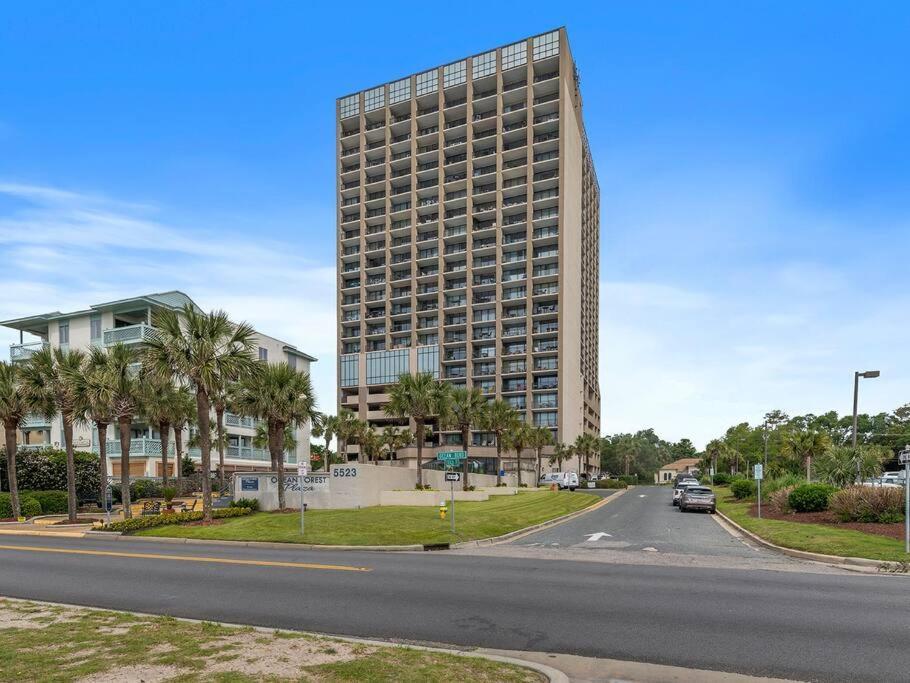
[128, 526]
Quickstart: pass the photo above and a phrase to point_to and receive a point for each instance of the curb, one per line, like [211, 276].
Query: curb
[518, 533]
[836, 560]
[552, 675]
[119, 536]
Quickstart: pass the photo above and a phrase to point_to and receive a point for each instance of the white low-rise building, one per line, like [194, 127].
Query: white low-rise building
[129, 321]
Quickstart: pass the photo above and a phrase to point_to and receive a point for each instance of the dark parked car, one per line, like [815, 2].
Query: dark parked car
[698, 498]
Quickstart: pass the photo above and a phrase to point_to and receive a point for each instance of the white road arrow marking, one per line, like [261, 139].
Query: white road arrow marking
[599, 535]
[649, 549]
[642, 495]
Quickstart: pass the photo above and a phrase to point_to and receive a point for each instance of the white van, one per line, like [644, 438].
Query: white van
[564, 480]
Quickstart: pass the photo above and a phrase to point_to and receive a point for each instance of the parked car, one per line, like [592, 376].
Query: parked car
[882, 482]
[698, 498]
[564, 480]
[682, 486]
[893, 478]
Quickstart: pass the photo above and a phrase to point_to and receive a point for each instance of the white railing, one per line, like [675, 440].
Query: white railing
[131, 334]
[25, 351]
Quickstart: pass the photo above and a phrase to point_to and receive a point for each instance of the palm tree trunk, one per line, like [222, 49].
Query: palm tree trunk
[420, 437]
[202, 415]
[539, 464]
[164, 429]
[809, 468]
[276, 433]
[70, 466]
[10, 434]
[178, 456]
[102, 462]
[498, 460]
[465, 435]
[325, 465]
[219, 424]
[518, 465]
[124, 423]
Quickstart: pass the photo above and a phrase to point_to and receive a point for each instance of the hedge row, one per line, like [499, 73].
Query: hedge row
[136, 523]
[46, 471]
[52, 502]
[28, 506]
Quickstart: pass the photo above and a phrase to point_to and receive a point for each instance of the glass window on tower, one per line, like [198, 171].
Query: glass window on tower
[349, 371]
[546, 45]
[374, 99]
[350, 106]
[399, 91]
[384, 367]
[514, 55]
[483, 65]
[454, 74]
[427, 82]
[428, 360]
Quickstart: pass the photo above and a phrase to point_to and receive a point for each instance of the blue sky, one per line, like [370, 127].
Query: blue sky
[752, 157]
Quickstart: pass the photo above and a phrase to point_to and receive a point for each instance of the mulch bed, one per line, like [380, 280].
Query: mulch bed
[829, 519]
[81, 520]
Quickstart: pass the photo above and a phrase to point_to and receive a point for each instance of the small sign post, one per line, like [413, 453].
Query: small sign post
[302, 470]
[452, 477]
[904, 458]
[108, 501]
[758, 474]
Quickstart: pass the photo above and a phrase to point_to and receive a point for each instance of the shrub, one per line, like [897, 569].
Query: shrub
[868, 504]
[628, 479]
[250, 503]
[779, 500]
[742, 488]
[28, 506]
[610, 484]
[784, 481]
[721, 478]
[52, 502]
[128, 526]
[522, 485]
[46, 471]
[810, 497]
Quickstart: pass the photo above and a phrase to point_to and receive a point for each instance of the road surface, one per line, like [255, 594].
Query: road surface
[805, 626]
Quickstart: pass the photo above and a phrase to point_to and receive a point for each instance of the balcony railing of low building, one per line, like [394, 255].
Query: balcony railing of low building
[25, 351]
[129, 334]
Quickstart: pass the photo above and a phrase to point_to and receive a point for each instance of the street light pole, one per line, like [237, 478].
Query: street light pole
[868, 374]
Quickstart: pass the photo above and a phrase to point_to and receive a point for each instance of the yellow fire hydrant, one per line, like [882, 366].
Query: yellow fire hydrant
[442, 510]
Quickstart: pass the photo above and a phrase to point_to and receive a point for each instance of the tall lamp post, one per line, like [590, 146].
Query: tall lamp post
[868, 374]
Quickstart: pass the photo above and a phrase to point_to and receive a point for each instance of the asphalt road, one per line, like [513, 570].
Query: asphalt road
[643, 519]
[829, 627]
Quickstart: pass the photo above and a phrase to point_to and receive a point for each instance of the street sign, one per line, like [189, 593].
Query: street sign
[302, 469]
[757, 472]
[904, 457]
[453, 476]
[451, 457]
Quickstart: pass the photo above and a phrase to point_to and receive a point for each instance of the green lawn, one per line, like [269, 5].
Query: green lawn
[41, 642]
[816, 538]
[392, 525]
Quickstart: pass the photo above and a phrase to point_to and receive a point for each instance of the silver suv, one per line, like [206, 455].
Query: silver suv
[681, 486]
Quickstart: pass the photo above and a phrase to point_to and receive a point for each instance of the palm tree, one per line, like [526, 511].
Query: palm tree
[562, 451]
[394, 438]
[518, 438]
[498, 418]
[13, 409]
[183, 409]
[541, 437]
[50, 380]
[420, 398]
[347, 426]
[220, 400]
[281, 397]
[158, 399]
[202, 350]
[371, 444]
[127, 403]
[584, 447]
[97, 406]
[325, 427]
[465, 412]
[803, 446]
[261, 438]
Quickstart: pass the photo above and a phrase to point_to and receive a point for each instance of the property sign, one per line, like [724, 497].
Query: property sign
[249, 483]
[453, 476]
[451, 458]
[757, 472]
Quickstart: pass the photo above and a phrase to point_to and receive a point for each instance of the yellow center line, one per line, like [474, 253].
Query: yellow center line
[187, 558]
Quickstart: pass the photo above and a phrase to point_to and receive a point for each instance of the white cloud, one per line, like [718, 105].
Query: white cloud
[63, 250]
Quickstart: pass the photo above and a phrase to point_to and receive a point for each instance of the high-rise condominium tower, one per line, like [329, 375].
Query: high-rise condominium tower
[468, 238]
